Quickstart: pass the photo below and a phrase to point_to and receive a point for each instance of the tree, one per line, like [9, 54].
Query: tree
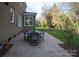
[73, 6]
[45, 9]
[73, 13]
[73, 21]
[63, 19]
[48, 18]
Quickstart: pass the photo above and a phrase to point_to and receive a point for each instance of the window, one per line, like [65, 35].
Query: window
[12, 15]
[28, 21]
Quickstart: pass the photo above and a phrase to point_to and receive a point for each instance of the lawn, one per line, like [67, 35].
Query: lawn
[58, 34]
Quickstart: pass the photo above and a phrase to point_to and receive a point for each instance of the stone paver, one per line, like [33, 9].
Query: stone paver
[48, 48]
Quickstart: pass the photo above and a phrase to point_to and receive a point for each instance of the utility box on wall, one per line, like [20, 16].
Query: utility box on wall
[28, 21]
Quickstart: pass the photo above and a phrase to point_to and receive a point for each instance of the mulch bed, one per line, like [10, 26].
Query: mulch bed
[4, 50]
[72, 49]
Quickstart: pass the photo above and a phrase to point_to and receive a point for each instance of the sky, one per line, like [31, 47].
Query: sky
[38, 6]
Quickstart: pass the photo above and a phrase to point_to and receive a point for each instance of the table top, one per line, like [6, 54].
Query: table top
[35, 33]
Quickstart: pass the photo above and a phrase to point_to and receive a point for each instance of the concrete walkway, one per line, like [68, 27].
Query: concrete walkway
[48, 48]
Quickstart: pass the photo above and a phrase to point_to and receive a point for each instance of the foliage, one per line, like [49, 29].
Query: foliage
[68, 32]
[70, 26]
[66, 22]
[74, 7]
[37, 24]
[63, 19]
[73, 22]
[44, 24]
[68, 35]
[58, 34]
[41, 24]
[48, 18]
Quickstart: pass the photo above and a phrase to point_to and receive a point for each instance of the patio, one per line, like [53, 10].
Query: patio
[47, 48]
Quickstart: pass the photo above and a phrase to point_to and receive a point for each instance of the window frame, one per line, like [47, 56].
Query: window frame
[28, 19]
[12, 13]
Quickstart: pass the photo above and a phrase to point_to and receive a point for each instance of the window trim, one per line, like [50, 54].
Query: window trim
[28, 19]
[21, 4]
[12, 12]
[19, 21]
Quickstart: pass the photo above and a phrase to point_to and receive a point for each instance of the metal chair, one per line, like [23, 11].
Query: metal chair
[42, 35]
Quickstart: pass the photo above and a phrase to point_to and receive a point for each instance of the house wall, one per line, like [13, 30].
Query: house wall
[8, 29]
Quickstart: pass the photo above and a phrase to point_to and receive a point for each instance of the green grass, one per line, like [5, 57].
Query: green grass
[58, 34]
[76, 39]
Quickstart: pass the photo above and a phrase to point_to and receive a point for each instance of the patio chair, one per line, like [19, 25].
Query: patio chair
[35, 41]
[25, 36]
[42, 35]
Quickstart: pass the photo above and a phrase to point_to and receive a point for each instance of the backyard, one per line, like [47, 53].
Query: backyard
[58, 34]
[62, 24]
[52, 30]
[71, 41]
